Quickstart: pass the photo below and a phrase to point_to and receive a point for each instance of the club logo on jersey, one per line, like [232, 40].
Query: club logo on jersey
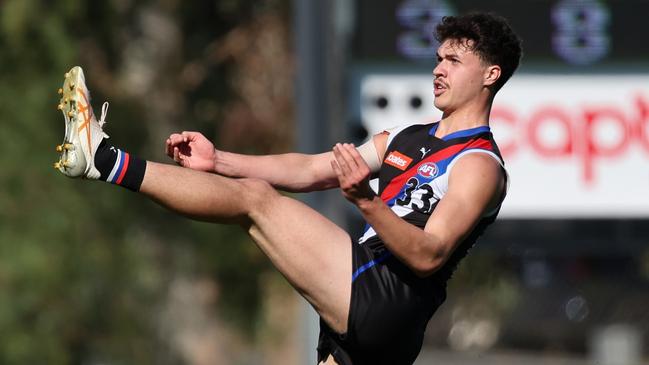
[398, 160]
[428, 170]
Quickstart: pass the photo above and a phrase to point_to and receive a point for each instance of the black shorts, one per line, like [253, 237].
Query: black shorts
[389, 310]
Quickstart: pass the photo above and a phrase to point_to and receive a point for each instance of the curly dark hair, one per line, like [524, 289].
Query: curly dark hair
[494, 41]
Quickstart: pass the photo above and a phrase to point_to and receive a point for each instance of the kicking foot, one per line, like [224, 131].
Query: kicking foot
[83, 133]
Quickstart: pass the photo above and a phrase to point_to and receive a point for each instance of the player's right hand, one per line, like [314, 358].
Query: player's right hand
[191, 150]
[353, 173]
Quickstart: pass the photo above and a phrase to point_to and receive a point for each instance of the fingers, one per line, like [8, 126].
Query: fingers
[340, 167]
[360, 162]
[182, 137]
[336, 168]
[352, 172]
[191, 136]
[340, 160]
[177, 156]
[171, 142]
[175, 141]
[168, 149]
[350, 160]
[345, 159]
[172, 147]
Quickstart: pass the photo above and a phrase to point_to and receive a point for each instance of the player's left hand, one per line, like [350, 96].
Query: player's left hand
[191, 150]
[353, 173]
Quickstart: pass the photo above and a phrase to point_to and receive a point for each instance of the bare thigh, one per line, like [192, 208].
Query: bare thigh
[330, 361]
[313, 253]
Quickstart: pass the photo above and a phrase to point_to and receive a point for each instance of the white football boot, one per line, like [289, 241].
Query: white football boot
[83, 133]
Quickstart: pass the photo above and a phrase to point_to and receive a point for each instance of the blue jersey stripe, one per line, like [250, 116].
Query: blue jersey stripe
[467, 132]
[378, 260]
[458, 134]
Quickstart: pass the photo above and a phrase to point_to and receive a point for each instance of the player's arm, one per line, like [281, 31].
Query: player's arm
[294, 172]
[476, 183]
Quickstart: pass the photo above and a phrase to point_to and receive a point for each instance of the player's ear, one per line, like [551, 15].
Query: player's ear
[491, 75]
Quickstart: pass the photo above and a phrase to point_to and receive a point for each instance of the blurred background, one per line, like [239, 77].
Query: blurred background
[97, 275]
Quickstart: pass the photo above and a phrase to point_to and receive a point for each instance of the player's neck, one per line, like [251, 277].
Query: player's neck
[470, 116]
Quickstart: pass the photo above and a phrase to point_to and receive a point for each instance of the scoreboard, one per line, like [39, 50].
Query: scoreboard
[574, 35]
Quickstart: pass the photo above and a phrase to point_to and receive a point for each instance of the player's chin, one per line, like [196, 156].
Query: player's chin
[440, 104]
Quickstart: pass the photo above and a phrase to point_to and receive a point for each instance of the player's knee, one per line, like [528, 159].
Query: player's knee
[258, 192]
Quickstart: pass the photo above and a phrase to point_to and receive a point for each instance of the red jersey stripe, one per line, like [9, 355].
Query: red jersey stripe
[395, 186]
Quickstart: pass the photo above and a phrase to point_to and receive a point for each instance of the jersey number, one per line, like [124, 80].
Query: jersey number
[423, 205]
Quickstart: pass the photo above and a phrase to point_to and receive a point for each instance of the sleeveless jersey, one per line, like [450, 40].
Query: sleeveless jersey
[414, 177]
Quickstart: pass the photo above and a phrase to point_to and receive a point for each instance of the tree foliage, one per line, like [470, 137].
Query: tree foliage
[85, 268]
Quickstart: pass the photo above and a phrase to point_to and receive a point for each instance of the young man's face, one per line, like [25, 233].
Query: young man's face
[459, 75]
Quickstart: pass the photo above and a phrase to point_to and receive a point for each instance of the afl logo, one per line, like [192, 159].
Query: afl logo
[429, 169]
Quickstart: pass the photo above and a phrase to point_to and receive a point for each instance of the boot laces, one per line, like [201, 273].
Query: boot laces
[104, 111]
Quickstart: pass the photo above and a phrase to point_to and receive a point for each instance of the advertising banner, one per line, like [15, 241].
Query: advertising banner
[574, 146]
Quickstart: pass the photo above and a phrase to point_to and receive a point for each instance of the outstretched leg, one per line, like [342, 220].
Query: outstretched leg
[312, 252]
[309, 250]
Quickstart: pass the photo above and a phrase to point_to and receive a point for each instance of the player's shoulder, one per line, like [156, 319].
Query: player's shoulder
[404, 130]
[483, 169]
[406, 126]
[478, 159]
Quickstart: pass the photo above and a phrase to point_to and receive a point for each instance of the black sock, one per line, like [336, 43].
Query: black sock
[119, 167]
